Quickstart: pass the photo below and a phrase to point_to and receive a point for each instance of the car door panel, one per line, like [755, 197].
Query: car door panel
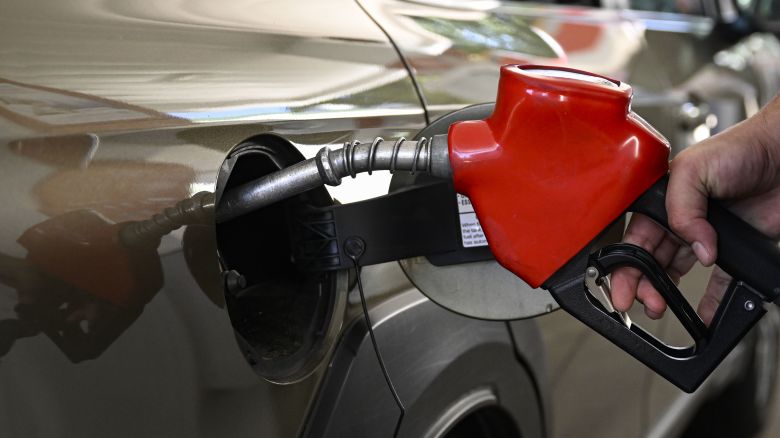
[111, 112]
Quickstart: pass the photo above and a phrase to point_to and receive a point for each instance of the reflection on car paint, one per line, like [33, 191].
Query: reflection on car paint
[86, 278]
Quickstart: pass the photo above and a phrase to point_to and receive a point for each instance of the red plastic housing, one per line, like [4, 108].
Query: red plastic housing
[557, 162]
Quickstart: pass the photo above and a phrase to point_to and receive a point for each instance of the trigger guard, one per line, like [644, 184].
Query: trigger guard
[618, 255]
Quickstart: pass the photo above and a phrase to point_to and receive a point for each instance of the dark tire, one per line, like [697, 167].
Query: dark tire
[490, 422]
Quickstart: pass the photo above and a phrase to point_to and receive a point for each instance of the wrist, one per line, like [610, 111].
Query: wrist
[762, 131]
[767, 130]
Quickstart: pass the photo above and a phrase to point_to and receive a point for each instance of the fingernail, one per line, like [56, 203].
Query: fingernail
[701, 253]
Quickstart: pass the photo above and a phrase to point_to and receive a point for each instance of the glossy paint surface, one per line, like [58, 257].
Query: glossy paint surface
[455, 48]
[556, 154]
[121, 109]
[113, 111]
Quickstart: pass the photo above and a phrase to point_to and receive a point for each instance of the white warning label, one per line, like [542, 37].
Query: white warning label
[470, 229]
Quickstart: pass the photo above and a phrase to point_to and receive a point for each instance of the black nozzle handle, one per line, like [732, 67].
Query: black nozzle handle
[752, 258]
[686, 367]
[743, 251]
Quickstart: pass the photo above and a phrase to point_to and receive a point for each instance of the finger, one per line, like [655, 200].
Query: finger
[654, 303]
[686, 204]
[643, 232]
[628, 285]
[624, 284]
[683, 261]
[677, 260]
[652, 237]
[666, 251]
[716, 288]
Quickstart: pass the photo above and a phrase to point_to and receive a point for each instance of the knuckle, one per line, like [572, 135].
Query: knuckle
[686, 159]
[638, 240]
[678, 221]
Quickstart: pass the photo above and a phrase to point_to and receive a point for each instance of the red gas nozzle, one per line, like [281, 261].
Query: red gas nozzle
[557, 162]
[561, 157]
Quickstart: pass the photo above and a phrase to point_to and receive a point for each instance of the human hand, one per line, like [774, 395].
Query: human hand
[740, 166]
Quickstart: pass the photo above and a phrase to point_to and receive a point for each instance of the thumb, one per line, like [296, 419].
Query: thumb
[686, 204]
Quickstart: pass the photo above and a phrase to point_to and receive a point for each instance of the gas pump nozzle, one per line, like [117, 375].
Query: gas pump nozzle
[562, 158]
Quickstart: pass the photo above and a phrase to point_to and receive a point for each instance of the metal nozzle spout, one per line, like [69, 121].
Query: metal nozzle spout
[328, 167]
